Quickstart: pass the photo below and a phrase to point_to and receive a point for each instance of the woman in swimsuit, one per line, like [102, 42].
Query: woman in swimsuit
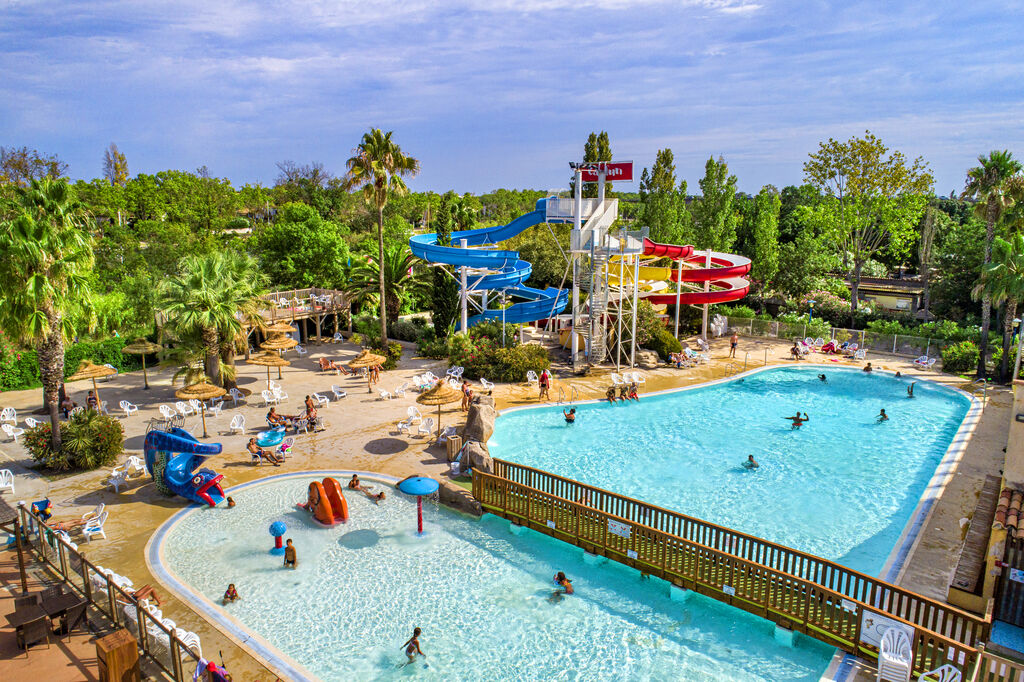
[564, 583]
[570, 416]
[412, 647]
[355, 484]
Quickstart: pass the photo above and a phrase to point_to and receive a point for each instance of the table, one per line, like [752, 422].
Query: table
[26, 614]
[57, 606]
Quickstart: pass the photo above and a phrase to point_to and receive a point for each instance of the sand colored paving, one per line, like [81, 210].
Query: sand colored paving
[361, 435]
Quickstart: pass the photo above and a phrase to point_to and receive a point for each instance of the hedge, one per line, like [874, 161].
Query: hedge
[20, 369]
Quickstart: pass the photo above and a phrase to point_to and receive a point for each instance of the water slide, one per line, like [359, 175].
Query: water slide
[496, 269]
[725, 275]
[172, 458]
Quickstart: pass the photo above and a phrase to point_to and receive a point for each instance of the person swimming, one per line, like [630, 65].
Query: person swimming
[898, 375]
[910, 390]
[231, 594]
[570, 416]
[751, 463]
[822, 378]
[564, 583]
[882, 416]
[868, 368]
[412, 647]
[798, 420]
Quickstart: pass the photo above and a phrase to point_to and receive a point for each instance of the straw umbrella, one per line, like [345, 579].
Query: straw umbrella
[268, 360]
[281, 327]
[440, 394]
[89, 370]
[201, 391]
[365, 360]
[279, 343]
[142, 347]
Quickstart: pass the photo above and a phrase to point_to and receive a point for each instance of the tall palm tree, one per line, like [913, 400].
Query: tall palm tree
[987, 183]
[1003, 281]
[397, 275]
[377, 167]
[463, 214]
[44, 278]
[209, 296]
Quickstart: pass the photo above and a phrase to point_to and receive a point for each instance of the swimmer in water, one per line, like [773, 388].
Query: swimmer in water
[564, 583]
[910, 390]
[822, 378]
[868, 367]
[798, 420]
[882, 416]
[751, 463]
[898, 375]
[412, 647]
[570, 416]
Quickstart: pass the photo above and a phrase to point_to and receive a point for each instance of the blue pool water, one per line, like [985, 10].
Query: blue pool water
[842, 486]
[481, 594]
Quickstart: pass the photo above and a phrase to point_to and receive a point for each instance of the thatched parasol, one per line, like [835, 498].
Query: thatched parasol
[279, 343]
[201, 391]
[89, 370]
[142, 347]
[280, 328]
[269, 359]
[440, 394]
[365, 360]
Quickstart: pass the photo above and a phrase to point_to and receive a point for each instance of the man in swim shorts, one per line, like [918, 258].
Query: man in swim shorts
[255, 449]
[291, 559]
[570, 416]
[751, 463]
[798, 420]
[734, 341]
[868, 367]
[882, 416]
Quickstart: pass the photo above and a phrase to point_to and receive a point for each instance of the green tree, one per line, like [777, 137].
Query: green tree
[1002, 280]
[377, 169]
[933, 223]
[205, 298]
[400, 280]
[115, 166]
[766, 237]
[301, 249]
[44, 280]
[804, 265]
[19, 166]
[714, 221]
[988, 183]
[445, 294]
[598, 147]
[873, 200]
[663, 204]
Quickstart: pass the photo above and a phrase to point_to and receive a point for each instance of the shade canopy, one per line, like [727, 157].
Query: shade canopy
[439, 394]
[89, 370]
[419, 485]
[268, 360]
[279, 343]
[200, 391]
[280, 328]
[142, 347]
[367, 359]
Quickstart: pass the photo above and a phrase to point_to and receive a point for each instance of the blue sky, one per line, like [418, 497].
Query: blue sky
[502, 93]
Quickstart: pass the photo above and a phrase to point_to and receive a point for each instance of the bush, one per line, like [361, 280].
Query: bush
[960, 358]
[483, 357]
[664, 344]
[20, 368]
[393, 353]
[743, 311]
[492, 329]
[90, 440]
[405, 331]
[432, 347]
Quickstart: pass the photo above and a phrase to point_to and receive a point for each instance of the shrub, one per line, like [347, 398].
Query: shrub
[20, 368]
[663, 343]
[90, 440]
[393, 353]
[405, 331]
[432, 347]
[357, 339]
[494, 330]
[483, 357]
[743, 311]
[960, 358]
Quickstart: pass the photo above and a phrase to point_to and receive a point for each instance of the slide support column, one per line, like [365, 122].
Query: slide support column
[464, 299]
[707, 288]
[679, 290]
[577, 225]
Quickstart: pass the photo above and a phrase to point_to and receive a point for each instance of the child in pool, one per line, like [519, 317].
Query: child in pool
[291, 559]
[231, 594]
[412, 647]
[564, 583]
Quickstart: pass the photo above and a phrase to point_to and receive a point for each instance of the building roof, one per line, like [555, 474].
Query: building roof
[1008, 514]
[889, 285]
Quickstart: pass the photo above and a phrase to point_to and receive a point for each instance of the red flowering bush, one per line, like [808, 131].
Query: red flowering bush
[90, 440]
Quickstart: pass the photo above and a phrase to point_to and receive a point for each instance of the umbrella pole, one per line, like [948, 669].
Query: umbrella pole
[439, 420]
[268, 377]
[145, 377]
[203, 412]
[369, 386]
[96, 392]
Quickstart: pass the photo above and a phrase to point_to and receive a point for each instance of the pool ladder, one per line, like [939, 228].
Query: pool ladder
[984, 391]
[574, 395]
[732, 368]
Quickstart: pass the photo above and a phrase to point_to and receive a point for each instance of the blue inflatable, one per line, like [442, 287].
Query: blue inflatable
[172, 458]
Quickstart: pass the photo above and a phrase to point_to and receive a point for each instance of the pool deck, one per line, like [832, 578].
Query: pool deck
[361, 435]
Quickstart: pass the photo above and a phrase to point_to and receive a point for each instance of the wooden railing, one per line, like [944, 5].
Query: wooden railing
[158, 642]
[793, 589]
[992, 668]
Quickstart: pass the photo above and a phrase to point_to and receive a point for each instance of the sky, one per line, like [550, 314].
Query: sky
[503, 93]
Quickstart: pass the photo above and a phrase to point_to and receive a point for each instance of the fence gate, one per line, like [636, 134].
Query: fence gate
[1010, 593]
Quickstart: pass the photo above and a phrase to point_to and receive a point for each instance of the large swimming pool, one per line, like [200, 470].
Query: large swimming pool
[482, 595]
[843, 486]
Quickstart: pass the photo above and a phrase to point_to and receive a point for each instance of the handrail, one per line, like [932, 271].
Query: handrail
[561, 395]
[790, 600]
[574, 395]
[928, 613]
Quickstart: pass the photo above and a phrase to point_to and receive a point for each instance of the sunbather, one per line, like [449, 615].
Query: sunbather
[634, 392]
[795, 351]
[255, 449]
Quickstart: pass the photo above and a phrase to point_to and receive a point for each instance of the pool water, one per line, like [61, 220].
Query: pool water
[482, 595]
[843, 486]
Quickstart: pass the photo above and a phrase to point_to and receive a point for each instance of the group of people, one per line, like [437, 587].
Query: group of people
[92, 402]
[623, 392]
[310, 418]
[355, 484]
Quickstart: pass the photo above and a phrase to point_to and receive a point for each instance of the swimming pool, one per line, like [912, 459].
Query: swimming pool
[843, 486]
[481, 594]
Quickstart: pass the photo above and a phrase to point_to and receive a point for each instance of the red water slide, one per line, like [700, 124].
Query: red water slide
[725, 275]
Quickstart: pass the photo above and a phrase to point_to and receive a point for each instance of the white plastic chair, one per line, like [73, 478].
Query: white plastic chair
[321, 400]
[95, 512]
[301, 351]
[635, 377]
[12, 431]
[76, 410]
[32, 423]
[237, 423]
[414, 415]
[117, 478]
[531, 377]
[403, 426]
[129, 408]
[9, 414]
[860, 354]
[616, 379]
[894, 663]
[274, 385]
[400, 391]
[214, 406]
[338, 392]
[448, 432]
[110, 376]
[426, 427]
[183, 408]
[269, 398]
[338, 338]
[432, 378]
[852, 348]
[236, 397]
[489, 386]
[167, 412]
[808, 341]
[385, 395]
[135, 466]
[6, 479]
[280, 394]
[945, 673]
[454, 383]
[819, 342]
[196, 406]
[95, 527]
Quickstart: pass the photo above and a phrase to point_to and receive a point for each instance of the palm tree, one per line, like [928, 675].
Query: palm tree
[987, 184]
[209, 297]
[1003, 281]
[463, 214]
[377, 168]
[397, 275]
[44, 280]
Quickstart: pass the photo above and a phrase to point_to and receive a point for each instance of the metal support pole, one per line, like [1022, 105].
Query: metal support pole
[707, 289]
[1016, 363]
[464, 319]
[622, 289]
[679, 291]
[577, 225]
[636, 289]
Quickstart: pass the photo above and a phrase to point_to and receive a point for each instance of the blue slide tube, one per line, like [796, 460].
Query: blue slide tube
[506, 270]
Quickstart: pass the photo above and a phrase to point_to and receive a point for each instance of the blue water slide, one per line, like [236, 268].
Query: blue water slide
[181, 455]
[506, 271]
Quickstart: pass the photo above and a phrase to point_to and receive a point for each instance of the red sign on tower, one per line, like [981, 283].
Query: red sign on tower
[615, 171]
